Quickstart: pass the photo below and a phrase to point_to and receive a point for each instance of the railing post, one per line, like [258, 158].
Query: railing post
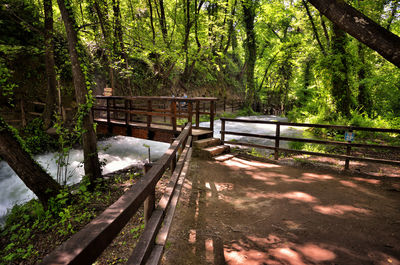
[212, 107]
[277, 136]
[173, 115]
[108, 111]
[190, 113]
[173, 161]
[224, 104]
[149, 203]
[348, 153]
[126, 112]
[197, 114]
[165, 117]
[109, 125]
[222, 131]
[114, 112]
[149, 116]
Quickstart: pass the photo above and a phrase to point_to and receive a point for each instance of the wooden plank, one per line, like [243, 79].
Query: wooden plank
[160, 98]
[162, 237]
[146, 241]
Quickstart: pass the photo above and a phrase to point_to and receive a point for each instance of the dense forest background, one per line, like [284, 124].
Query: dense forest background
[281, 53]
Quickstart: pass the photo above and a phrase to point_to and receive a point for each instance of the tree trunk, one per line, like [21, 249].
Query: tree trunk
[151, 21]
[364, 97]
[250, 49]
[50, 70]
[163, 21]
[314, 28]
[340, 82]
[89, 141]
[186, 11]
[362, 28]
[30, 172]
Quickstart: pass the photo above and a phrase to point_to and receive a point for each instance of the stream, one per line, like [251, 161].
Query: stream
[119, 152]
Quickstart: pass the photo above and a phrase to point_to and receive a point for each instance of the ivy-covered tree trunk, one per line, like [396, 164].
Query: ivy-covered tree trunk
[31, 173]
[364, 97]
[50, 65]
[83, 98]
[340, 83]
[250, 49]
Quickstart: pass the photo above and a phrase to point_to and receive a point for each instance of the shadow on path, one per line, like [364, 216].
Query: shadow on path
[247, 212]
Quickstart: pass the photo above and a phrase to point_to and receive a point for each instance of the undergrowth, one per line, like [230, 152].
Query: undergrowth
[30, 227]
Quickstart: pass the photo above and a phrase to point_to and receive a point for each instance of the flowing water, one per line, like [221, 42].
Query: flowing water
[119, 152]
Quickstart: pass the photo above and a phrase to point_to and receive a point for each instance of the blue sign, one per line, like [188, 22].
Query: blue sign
[349, 136]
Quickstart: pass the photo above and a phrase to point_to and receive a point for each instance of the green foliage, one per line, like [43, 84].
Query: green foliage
[67, 212]
[37, 141]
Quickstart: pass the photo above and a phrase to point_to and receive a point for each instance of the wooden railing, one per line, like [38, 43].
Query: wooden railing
[155, 110]
[277, 137]
[85, 246]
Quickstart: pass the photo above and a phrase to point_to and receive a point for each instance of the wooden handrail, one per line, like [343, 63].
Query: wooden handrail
[86, 245]
[348, 157]
[295, 124]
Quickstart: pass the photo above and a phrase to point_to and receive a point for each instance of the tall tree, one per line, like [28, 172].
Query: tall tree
[361, 27]
[30, 172]
[340, 83]
[83, 98]
[250, 49]
[50, 65]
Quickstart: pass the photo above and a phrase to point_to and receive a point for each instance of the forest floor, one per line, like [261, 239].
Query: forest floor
[248, 210]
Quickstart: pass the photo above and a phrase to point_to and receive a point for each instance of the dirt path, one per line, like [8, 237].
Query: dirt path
[246, 212]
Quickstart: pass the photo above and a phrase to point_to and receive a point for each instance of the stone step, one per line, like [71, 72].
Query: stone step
[204, 143]
[212, 151]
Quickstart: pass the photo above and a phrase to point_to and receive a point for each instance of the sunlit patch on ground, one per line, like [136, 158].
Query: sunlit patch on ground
[338, 210]
[294, 195]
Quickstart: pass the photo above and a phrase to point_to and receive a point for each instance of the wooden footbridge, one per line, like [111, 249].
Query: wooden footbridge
[158, 118]
[154, 118]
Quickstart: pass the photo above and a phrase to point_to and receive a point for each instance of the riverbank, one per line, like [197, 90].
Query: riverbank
[32, 232]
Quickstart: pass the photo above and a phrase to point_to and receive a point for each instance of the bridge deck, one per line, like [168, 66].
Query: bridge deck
[165, 131]
[248, 212]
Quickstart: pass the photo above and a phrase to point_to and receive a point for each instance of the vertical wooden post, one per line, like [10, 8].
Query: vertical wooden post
[173, 115]
[277, 136]
[126, 112]
[164, 107]
[190, 113]
[348, 153]
[108, 112]
[212, 108]
[173, 163]
[130, 109]
[149, 203]
[224, 104]
[149, 110]
[222, 131]
[115, 113]
[197, 114]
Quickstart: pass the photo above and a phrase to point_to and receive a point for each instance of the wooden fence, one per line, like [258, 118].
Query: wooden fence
[86, 245]
[348, 145]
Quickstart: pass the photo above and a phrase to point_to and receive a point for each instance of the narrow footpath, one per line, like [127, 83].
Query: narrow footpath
[243, 211]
